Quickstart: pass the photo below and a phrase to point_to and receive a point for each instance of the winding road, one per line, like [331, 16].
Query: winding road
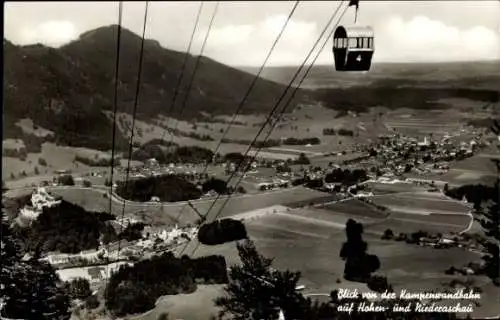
[117, 199]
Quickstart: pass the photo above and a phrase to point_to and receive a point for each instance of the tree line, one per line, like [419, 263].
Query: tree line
[172, 153]
[340, 132]
[135, 289]
[473, 193]
[172, 188]
[487, 213]
[346, 176]
[95, 162]
[168, 188]
[270, 143]
[68, 228]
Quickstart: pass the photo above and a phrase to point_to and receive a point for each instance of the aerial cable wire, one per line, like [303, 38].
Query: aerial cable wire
[183, 68]
[197, 62]
[115, 109]
[257, 76]
[180, 78]
[277, 105]
[245, 97]
[285, 106]
[191, 80]
[136, 100]
[295, 89]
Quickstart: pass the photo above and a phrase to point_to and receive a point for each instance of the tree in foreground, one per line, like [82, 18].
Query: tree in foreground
[359, 265]
[256, 291]
[79, 288]
[490, 221]
[29, 289]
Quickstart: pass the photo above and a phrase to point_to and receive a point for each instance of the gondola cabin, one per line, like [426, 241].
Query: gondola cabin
[353, 48]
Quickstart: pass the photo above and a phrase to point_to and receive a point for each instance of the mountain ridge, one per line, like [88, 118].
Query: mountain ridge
[66, 89]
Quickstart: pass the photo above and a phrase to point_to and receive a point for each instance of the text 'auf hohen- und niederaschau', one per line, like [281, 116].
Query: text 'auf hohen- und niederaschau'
[417, 301]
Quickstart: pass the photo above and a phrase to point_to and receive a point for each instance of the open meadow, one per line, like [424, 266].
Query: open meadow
[361, 122]
[388, 188]
[181, 213]
[421, 203]
[305, 121]
[312, 245]
[50, 159]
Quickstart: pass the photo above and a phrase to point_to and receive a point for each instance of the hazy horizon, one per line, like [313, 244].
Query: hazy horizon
[243, 32]
[324, 64]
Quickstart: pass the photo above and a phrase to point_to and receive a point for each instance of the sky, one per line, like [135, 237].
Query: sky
[243, 32]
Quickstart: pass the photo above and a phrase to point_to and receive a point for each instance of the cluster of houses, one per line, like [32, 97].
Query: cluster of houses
[40, 199]
[437, 241]
[152, 167]
[400, 154]
[153, 241]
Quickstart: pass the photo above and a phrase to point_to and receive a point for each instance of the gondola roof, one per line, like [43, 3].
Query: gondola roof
[354, 31]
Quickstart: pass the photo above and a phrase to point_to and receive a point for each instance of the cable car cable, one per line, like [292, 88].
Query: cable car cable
[191, 80]
[277, 119]
[257, 76]
[181, 77]
[285, 107]
[273, 110]
[242, 102]
[115, 109]
[271, 113]
[183, 68]
[136, 100]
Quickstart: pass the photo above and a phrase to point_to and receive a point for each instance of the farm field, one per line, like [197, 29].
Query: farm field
[332, 217]
[386, 188]
[157, 214]
[416, 203]
[302, 122]
[408, 223]
[458, 177]
[244, 128]
[56, 157]
[317, 201]
[194, 306]
[477, 169]
[62, 158]
[355, 207]
[437, 122]
[377, 223]
[480, 162]
[336, 159]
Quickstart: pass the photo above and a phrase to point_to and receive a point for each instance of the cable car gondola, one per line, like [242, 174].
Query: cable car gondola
[353, 46]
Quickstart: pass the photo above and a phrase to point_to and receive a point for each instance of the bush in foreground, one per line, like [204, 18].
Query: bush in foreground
[222, 231]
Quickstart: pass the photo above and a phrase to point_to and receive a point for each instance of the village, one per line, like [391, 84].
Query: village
[385, 162]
